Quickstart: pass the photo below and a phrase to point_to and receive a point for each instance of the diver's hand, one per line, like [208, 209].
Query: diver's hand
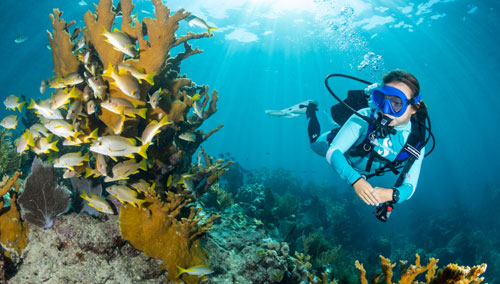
[384, 194]
[365, 192]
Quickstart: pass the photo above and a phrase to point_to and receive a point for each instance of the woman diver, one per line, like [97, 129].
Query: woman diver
[385, 133]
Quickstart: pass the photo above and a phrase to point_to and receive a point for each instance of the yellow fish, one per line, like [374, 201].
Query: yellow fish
[12, 102]
[124, 81]
[138, 73]
[125, 194]
[121, 42]
[9, 122]
[198, 270]
[97, 202]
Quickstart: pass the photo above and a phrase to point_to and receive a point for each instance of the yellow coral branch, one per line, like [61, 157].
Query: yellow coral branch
[65, 61]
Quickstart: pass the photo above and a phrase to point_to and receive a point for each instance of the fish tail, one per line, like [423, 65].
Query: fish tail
[88, 172]
[31, 141]
[108, 71]
[142, 112]
[143, 165]
[210, 29]
[20, 106]
[86, 157]
[150, 78]
[181, 270]
[53, 146]
[84, 195]
[73, 94]
[143, 149]
[164, 121]
[140, 202]
[93, 135]
[32, 104]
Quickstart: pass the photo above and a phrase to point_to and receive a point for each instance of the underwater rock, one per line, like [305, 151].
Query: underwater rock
[252, 194]
[241, 254]
[42, 198]
[83, 249]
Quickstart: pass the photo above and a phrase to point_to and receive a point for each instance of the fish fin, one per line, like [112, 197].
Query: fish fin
[142, 112]
[140, 202]
[130, 156]
[31, 141]
[86, 157]
[210, 29]
[20, 106]
[53, 146]
[113, 158]
[132, 141]
[134, 104]
[88, 172]
[122, 71]
[181, 270]
[73, 94]
[164, 120]
[84, 195]
[116, 30]
[105, 32]
[93, 136]
[143, 165]
[169, 181]
[143, 149]
[108, 71]
[32, 104]
[150, 78]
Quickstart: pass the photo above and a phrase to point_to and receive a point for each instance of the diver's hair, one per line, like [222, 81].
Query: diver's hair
[411, 81]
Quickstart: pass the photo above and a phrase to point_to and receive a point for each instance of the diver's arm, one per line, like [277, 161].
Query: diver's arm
[409, 185]
[343, 141]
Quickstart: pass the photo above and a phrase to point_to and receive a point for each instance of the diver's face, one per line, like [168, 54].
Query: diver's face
[403, 119]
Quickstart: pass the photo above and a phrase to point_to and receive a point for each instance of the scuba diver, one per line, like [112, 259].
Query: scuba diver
[379, 129]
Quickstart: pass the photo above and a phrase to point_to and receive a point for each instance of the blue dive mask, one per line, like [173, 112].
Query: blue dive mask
[392, 101]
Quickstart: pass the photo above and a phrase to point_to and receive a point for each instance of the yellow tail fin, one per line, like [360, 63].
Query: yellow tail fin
[143, 149]
[210, 29]
[142, 112]
[20, 106]
[32, 104]
[150, 78]
[108, 71]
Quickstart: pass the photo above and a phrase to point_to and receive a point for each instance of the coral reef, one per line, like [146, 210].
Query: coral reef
[13, 231]
[164, 227]
[83, 249]
[158, 230]
[10, 160]
[42, 199]
[452, 273]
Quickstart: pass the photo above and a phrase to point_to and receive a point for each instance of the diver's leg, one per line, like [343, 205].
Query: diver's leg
[321, 145]
[313, 128]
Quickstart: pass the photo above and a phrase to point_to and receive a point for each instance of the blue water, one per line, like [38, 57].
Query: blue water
[273, 54]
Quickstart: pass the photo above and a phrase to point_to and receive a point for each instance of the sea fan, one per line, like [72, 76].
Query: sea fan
[42, 199]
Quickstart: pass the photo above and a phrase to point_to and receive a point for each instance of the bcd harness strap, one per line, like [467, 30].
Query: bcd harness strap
[409, 153]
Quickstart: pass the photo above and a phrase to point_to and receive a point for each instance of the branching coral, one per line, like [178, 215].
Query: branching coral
[13, 231]
[450, 274]
[65, 61]
[160, 231]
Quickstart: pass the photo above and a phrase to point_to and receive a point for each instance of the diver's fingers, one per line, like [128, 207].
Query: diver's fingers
[375, 195]
[372, 198]
[367, 199]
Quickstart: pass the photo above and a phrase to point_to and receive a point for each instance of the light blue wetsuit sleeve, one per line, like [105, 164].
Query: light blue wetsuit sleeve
[343, 141]
[409, 185]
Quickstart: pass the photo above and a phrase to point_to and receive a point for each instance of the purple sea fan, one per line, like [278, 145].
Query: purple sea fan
[42, 198]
